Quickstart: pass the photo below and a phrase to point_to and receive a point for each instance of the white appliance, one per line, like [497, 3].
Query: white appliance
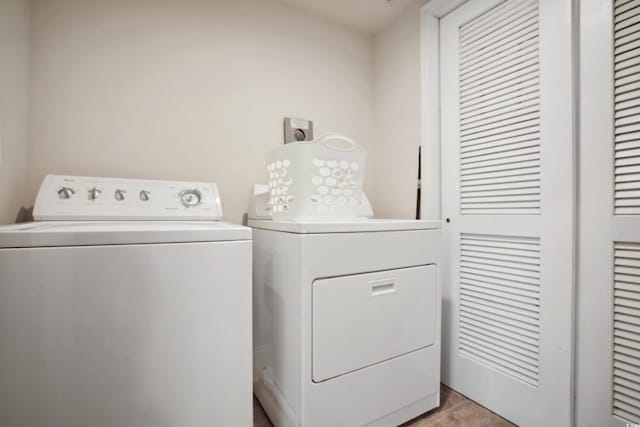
[346, 320]
[108, 318]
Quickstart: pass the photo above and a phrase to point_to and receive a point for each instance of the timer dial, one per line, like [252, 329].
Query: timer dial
[190, 198]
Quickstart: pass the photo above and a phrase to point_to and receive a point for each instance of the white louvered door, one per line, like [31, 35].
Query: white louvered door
[608, 340]
[508, 189]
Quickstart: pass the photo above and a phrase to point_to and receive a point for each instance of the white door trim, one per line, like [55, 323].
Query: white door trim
[600, 227]
[430, 15]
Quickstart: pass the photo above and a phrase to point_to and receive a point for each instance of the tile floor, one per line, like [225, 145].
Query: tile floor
[455, 411]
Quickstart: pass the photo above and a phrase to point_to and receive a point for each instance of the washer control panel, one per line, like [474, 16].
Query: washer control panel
[89, 198]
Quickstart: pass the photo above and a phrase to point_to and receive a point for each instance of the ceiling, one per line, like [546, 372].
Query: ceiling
[369, 16]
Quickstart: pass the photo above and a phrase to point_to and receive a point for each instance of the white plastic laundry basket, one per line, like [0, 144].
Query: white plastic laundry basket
[317, 179]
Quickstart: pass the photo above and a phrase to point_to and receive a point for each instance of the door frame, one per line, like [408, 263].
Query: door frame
[593, 387]
[595, 299]
[430, 137]
[431, 189]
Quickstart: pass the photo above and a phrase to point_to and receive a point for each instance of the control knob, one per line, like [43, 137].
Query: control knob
[119, 195]
[94, 193]
[144, 195]
[66, 192]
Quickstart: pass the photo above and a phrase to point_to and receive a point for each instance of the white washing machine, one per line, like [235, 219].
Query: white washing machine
[346, 320]
[127, 304]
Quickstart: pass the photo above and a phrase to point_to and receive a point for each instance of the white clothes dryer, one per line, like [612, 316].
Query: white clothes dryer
[127, 303]
[346, 320]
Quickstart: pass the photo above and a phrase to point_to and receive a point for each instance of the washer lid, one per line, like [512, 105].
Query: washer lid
[90, 233]
[345, 226]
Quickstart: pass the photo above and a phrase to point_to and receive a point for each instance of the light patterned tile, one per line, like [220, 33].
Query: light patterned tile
[260, 419]
[467, 414]
[448, 400]
[455, 411]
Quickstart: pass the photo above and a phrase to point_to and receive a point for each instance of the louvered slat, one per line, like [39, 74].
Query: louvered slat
[500, 303]
[500, 111]
[627, 108]
[626, 332]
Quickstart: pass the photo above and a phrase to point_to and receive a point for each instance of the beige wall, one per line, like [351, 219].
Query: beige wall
[191, 89]
[14, 97]
[397, 115]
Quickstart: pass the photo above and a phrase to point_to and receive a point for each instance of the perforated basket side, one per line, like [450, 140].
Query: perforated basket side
[316, 180]
[280, 185]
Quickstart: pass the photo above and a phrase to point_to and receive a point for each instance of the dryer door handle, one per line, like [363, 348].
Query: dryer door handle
[383, 287]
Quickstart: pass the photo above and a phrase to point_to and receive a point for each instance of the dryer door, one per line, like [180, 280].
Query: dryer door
[364, 319]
